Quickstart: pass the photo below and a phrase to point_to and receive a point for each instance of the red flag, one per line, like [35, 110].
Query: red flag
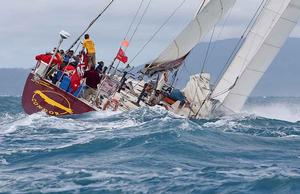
[121, 56]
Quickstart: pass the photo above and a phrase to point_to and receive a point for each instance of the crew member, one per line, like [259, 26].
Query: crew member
[89, 45]
[46, 58]
[157, 94]
[92, 80]
[100, 66]
[162, 82]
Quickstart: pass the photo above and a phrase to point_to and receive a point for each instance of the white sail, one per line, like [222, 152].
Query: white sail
[270, 31]
[210, 14]
[198, 88]
[196, 92]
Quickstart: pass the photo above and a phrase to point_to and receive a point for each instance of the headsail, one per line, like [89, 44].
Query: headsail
[267, 36]
[207, 17]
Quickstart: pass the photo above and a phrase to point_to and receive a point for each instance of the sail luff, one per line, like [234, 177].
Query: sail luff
[267, 36]
[210, 14]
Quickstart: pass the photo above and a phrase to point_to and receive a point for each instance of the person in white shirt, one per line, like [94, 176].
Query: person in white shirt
[162, 82]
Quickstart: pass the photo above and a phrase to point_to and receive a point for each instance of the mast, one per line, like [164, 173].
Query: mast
[91, 24]
[267, 36]
[210, 13]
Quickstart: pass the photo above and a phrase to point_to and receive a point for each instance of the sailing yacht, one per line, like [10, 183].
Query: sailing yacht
[259, 45]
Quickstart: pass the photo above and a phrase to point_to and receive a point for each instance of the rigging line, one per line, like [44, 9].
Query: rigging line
[208, 50]
[175, 77]
[201, 6]
[128, 31]
[77, 47]
[157, 31]
[221, 31]
[240, 42]
[194, 98]
[248, 52]
[210, 97]
[202, 104]
[137, 26]
[196, 94]
[203, 66]
[226, 90]
[134, 18]
[192, 103]
[238, 46]
[196, 91]
[140, 21]
[91, 24]
[222, 104]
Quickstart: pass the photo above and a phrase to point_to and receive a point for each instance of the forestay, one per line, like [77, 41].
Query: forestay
[207, 17]
[267, 36]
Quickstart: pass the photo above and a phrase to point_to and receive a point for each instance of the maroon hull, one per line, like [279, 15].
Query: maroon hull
[42, 96]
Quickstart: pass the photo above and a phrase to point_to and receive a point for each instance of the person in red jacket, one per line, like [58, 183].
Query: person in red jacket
[48, 70]
[46, 58]
[75, 81]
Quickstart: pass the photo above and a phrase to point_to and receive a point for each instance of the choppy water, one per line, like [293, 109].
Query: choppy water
[151, 151]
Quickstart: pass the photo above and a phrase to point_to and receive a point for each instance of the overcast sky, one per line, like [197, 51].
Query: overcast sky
[30, 27]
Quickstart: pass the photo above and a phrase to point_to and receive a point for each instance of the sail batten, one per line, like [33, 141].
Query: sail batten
[267, 36]
[206, 18]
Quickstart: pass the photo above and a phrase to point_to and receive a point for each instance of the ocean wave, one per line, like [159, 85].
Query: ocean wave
[9, 96]
[285, 109]
[147, 150]
[254, 125]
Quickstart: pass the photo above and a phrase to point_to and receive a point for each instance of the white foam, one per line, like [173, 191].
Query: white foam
[223, 122]
[3, 162]
[285, 112]
[291, 136]
[11, 124]
[8, 95]
[184, 126]
[103, 114]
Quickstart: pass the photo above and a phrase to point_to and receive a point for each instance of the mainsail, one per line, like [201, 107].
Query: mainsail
[267, 36]
[207, 17]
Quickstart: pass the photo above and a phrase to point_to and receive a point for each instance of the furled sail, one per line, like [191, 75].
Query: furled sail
[267, 36]
[208, 16]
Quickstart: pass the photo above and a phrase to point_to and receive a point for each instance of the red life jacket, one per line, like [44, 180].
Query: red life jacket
[75, 82]
[69, 68]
